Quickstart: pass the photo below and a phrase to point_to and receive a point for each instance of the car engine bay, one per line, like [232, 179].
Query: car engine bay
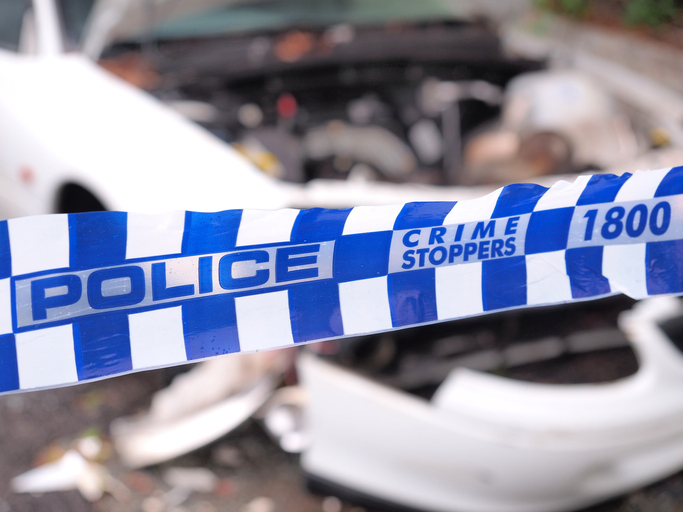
[388, 103]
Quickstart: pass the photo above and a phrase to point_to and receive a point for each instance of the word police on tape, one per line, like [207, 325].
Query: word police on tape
[68, 295]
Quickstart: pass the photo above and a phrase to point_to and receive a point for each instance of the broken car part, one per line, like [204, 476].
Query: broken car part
[198, 407]
[486, 443]
[283, 417]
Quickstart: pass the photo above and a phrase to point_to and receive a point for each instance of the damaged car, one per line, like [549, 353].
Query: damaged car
[535, 411]
[213, 105]
[273, 105]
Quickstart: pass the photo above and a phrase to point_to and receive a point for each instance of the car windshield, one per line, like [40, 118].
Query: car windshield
[74, 16]
[268, 15]
[142, 20]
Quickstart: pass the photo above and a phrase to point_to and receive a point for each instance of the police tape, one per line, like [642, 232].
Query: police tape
[92, 295]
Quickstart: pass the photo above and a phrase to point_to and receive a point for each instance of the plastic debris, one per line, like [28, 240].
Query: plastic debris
[332, 504]
[72, 471]
[192, 479]
[283, 418]
[199, 407]
[260, 504]
[227, 456]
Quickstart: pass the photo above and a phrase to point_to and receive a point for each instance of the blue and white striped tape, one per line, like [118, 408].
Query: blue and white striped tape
[90, 295]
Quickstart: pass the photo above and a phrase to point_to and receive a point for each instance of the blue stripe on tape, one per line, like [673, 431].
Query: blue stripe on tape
[97, 239]
[362, 256]
[5, 253]
[517, 200]
[423, 215]
[548, 230]
[664, 267]
[602, 188]
[504, 283]
[412, 297]
[315, 312]
[210, 327]
[584, 268]
[9, 372]
[672, 183]
[102, 345]
[319, 225]
[207, 233]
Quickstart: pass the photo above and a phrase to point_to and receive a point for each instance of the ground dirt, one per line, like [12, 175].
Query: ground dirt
[257, 477]
[39, 425]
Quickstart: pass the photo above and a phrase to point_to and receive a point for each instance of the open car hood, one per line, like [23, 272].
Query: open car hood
[112, 20]
[120, 19]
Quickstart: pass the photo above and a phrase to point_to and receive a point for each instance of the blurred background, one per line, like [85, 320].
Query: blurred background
[106, 105]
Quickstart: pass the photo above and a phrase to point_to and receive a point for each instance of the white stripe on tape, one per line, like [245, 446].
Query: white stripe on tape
[466, 279]
[266, 227]
[5, 306]
[263, 321]
[364, 306]
[624, 267]
[156, 338]
[546, 278]
[368, 219]
[562, 194]
[473, 209]
[39, 243]
[154, 235]
[46, 357]
[641, 185]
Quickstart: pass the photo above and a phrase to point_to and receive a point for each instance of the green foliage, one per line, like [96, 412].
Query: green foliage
[650, 12]
[633, 12]
[576, 8]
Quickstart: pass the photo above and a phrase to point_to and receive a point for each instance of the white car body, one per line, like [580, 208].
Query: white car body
[65, 120]
[484, 443]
